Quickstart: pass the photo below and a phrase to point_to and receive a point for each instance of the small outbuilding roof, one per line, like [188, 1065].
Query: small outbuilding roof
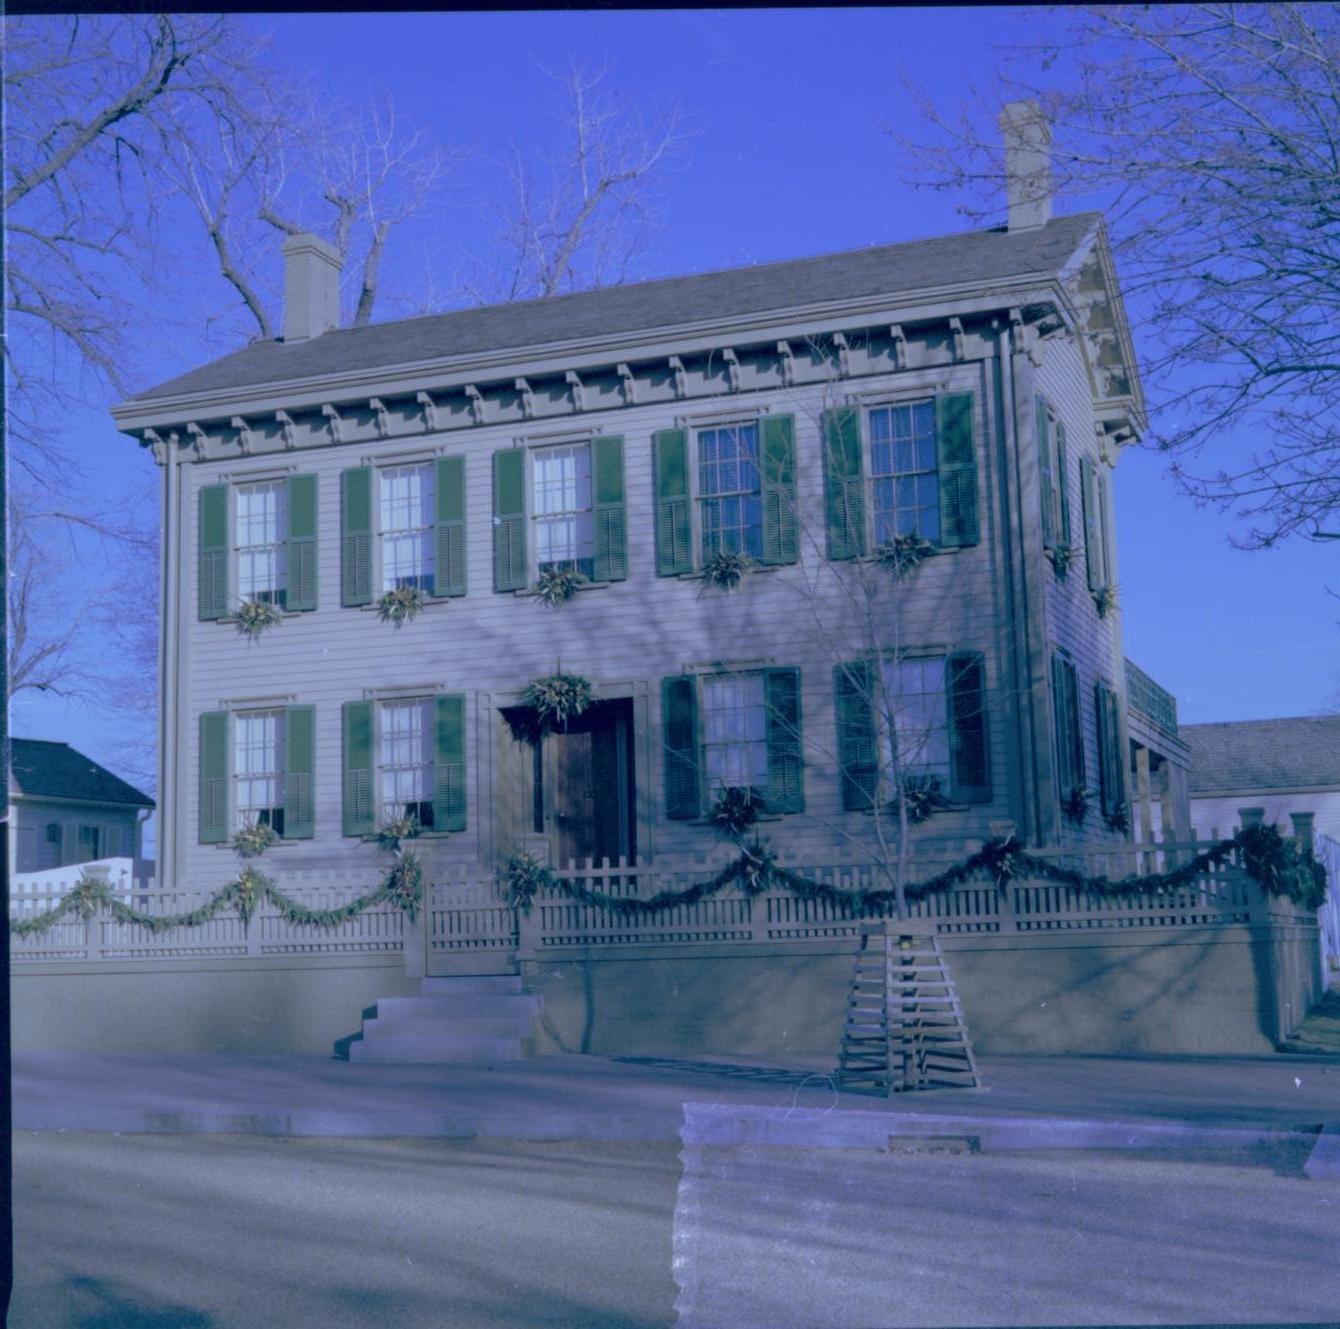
[40, 768]
[1300, 752]
[981, 258]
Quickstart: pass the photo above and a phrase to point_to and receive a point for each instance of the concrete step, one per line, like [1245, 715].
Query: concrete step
[463, 1006]
[414, 1025]
[475, 985]
[436, 1049]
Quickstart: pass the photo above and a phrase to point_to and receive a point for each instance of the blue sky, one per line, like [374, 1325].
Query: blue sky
[785, 157]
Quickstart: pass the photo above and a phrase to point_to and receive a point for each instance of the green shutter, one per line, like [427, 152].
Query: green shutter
[781, 535]
[509, 520]
[674, 542]
[1062, 483]
[844, 493]
[858, 750]
[1093, 558]
[1104, 535]
[1064, 775]
[957, 461]
[1111, 754]
[299, 769]
[611, 538]
[1046, 481]
[212, 537]
[449, 763]
[213, 777]
[359, 813]
[679, 718]
[449, 549]
[356, 537]
[300, 593]
[970, 761]
[786, 760]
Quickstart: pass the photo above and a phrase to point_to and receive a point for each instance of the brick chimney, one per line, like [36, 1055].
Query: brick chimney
[311, 287]
[1028, 171]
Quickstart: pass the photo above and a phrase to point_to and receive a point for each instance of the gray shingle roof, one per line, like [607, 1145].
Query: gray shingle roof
[981, 257]
[41, 768]
[1299, 752]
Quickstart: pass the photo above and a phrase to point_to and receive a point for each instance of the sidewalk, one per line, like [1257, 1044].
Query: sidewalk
[1156, 1102]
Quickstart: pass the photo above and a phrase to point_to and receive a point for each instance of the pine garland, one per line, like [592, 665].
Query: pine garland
[402, 887]
[1276, 864]
[1273, 862]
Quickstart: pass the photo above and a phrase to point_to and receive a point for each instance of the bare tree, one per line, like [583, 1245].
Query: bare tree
[580, 218]
[1210, 135]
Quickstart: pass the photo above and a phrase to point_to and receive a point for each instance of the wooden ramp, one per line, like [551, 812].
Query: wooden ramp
[904, 1027]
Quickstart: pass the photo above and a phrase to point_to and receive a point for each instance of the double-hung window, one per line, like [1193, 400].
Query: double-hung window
[405, 761]
[559, 508]
[725, 487]
[916, 720]
[257, 768]
[561, 505]
[730, 497]
[402, 526]
[732, 731]
[404, 757]
[904, 472]
[256, 542]
[407, 522]
[900, 468]
[261, 525]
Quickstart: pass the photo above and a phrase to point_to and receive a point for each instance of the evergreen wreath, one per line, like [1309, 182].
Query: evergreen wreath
[552, 702]
[254, 839]
[1105, 599]
[254, 616]
[554, 586]
[399, 605]
[1062, 555]
[1076, 803]
[736, 809]
[903, 554]
[727, 568]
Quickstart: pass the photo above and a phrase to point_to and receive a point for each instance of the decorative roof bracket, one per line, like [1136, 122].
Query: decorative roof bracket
[680, 377]
[476, 401]
[429, 410]
[956, 332]
[786, 361]
[243, 433]
[626, 381]
[527, 399]
[899, 338]
[844, 354]
[376, 405]
[732, 368]
[285, 422]
[197, 437]
[334, 422]
[574, 381]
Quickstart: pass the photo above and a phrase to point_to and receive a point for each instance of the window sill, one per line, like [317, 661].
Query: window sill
[528, 592]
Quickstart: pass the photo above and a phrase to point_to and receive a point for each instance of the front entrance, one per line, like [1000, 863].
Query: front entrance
[583, 791]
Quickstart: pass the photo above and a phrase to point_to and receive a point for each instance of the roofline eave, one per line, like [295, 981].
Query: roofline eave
[453, 371]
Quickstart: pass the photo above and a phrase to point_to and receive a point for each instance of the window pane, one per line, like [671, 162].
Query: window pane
[405, 760]
[904, 477]
[915, 702]
[260, 531]
[407, 518]
[561, 504]
[735, 749]
[729, 490]
[258, 768]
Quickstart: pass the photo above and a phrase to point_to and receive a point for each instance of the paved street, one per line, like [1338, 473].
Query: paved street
[211, 1232]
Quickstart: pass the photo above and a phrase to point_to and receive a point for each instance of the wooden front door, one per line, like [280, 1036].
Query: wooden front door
[588, 786]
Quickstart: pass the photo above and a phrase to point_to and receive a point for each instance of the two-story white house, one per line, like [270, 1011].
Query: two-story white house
[971, 390]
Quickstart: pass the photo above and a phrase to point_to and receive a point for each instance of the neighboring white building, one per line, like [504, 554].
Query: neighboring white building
[1284, 773]
[67, 809]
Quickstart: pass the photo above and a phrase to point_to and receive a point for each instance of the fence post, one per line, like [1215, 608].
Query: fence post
[414, 937]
